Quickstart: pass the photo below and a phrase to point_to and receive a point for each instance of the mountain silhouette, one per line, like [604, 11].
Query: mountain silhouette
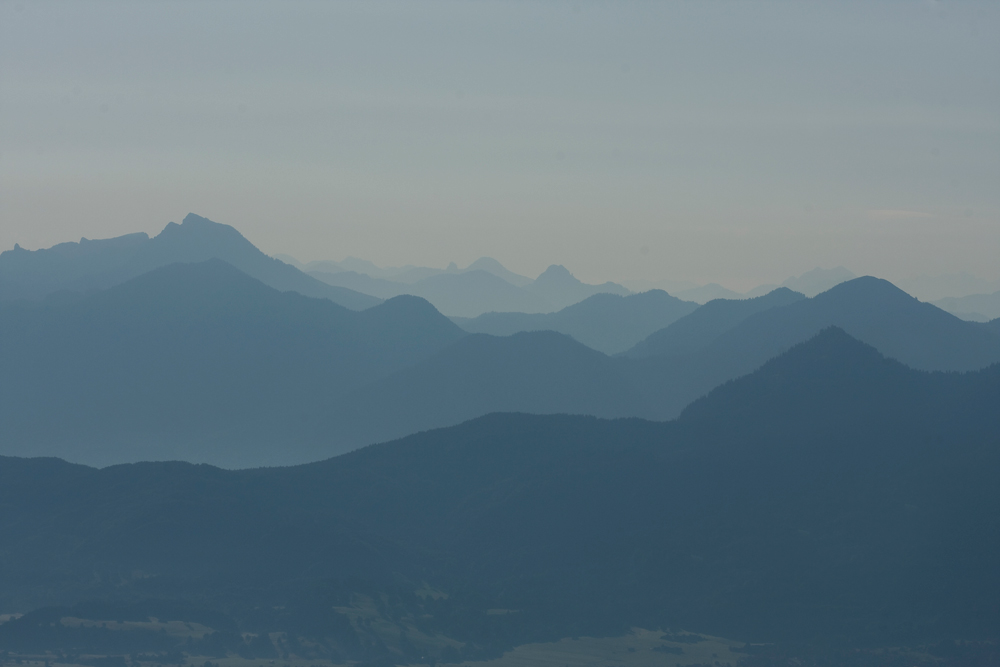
[90, 265]
[540, 372]
[976, 307]
[706, 293]
[610, 323]
[198, 369]
[818, 280]
[696, 330]
[193, 361]
[561, 288]
[484, 287]
[833, 494]
[491, 265]
[456, 294]
[872, 310]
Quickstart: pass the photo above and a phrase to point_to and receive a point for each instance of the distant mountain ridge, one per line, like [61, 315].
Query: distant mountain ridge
[90, 265]
[485, 286]
[693, 332]
[406, 274]
[542, 372]
[609, 323]
[875, 311]
[975, 307]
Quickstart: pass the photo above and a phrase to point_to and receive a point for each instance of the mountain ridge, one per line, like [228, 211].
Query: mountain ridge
[789, 529]
[91, 265]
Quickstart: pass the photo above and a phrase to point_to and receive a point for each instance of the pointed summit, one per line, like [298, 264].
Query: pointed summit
[561, 288]
[557, 274]
[99, 264]
[491, 265]
[818, 280]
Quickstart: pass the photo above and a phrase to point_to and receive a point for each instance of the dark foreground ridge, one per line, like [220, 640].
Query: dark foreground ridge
[832, 496]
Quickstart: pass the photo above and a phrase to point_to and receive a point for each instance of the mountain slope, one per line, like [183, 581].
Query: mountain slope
[456, 294]
[92, 265]
[874, 311]
[696, 330]
[539, 372]
[491, 265]
[609, 323]
[818, 498]
[561, 288]
[471, 293]
[818, 280]
[193, 361]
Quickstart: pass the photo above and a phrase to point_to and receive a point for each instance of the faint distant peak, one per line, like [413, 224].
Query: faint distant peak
[557, 273]
[485, 264]
[288, 259]
[491, 265]
[818, 280]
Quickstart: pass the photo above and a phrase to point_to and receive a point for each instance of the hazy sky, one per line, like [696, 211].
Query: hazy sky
[731, 142]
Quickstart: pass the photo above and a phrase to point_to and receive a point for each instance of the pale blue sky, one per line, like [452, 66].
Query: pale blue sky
[732, 142]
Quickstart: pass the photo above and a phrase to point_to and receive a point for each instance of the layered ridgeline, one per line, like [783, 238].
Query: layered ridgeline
[97, 264]
[832, 495]
[543, 372]
[610, 323]
[484, 287]
[197, 362]
[976, 307]
[872, 310]
[698, 329]
[204, 364]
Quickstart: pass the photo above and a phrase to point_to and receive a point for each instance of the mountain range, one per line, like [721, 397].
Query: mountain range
[975, 307]
[203, 363]
[90, 265]
[809, 283]
[693, 332]
[485, 286]
[610, 323]
[833, 495]
[199, 362]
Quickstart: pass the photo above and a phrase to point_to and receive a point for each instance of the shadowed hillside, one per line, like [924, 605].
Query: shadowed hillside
[832, 494]
[193, 361]
[202, 363]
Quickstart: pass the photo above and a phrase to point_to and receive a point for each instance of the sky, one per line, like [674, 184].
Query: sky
[738, 143]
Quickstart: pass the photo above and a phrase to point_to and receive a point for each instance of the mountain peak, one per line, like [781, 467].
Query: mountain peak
[486, 264]
[195, 219]
[557, 273]
[865, 288]
[831, 358]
